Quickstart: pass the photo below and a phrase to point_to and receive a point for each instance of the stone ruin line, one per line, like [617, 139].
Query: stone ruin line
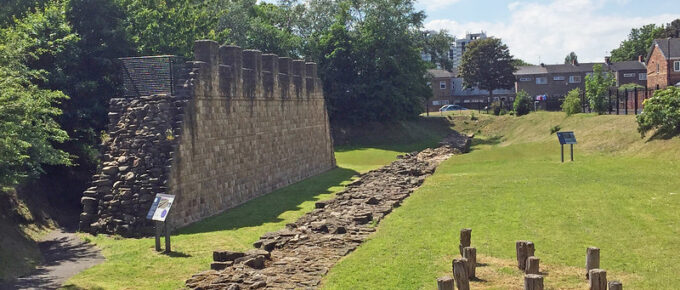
[239, 125]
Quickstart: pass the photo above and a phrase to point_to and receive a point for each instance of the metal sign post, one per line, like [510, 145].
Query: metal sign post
[158, 213]
[567, 137]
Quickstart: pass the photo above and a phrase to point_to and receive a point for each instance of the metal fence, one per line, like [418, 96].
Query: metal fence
[150, 75]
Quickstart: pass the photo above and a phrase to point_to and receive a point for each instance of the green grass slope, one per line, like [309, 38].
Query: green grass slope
[133, 263]
[621, 194]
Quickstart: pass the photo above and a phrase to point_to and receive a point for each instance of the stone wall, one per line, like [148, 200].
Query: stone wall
[242, 125]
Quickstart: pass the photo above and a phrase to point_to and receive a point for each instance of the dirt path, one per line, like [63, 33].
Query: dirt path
[64, 255]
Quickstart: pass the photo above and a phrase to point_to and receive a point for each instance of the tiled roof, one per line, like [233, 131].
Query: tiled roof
[627, 65]
[531, 70]
[439, 73]
[670, 47]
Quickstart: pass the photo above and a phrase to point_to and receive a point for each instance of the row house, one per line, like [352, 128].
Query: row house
[556, 80]
[663, 67]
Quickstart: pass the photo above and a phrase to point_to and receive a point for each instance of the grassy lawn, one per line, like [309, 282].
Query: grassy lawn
[133, 263]
[622, 194]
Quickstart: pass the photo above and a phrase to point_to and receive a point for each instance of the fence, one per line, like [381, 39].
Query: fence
[150, 75]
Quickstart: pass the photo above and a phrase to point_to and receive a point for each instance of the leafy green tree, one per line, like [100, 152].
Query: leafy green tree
[661, 113]
[672, 29]
[638, 43]
[488, 65]
[597, 86]
[572, 102]
[522, 103]
[571, 57]
[17, 9]
[519, 62]
[437, 44]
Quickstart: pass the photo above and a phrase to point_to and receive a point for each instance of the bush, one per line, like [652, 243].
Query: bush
[661, 112]
[522, 104]
[555, 129]
[572, 103]
[496, 108]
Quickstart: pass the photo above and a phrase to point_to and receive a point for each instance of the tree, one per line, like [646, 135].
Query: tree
[488, 65]
[572, 102]
[571, 58]
[522, 104]
[597, 86]
[672, 29]
[638, 43]
[661, 113]
[519, 62]
[437, 45]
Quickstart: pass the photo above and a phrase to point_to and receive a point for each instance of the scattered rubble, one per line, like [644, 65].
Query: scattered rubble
[302, 253]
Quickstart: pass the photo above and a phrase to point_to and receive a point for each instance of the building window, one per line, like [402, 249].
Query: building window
[676, 65]
[574, 79]
[658, 68]
[629, 75]
[442, 85]
[558, 78]
[541, 80]
[524, 79]
[642, 76]
[429, 84]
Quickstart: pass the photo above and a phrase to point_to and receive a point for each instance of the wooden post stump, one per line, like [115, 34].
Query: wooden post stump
[524, 249]
[460, 274]
[533, 282]
[592, 259]
[465, 238]
[615, 285]
[598, 279]
[445, 283]
[470, 254]
[532, 265]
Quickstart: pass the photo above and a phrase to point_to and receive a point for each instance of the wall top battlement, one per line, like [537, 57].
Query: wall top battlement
[231, 72]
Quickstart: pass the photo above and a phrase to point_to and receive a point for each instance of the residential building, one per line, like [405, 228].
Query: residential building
[458, 46]
[447, 88]
[555, 80]
[663, 61]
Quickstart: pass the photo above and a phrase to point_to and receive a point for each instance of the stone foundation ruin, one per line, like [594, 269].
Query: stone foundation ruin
[238, 125]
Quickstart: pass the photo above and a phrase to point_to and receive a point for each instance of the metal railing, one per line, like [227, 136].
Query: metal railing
[150, 75]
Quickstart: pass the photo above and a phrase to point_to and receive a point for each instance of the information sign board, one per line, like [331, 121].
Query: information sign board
[566, 137]
[160, 207]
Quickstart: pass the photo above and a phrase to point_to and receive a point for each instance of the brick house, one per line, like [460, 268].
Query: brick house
[663, 61]
[447, 88]
[556, 80]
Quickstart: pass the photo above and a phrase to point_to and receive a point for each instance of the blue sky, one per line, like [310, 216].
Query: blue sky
[549, 30]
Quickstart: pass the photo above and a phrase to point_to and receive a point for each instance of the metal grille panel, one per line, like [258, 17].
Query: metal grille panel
[150, 75]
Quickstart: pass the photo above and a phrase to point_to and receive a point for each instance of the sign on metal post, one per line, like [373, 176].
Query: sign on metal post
[159, 212]
[567, 137]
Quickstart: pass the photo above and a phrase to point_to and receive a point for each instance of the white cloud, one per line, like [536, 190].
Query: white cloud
[436, 4]
[550, 31]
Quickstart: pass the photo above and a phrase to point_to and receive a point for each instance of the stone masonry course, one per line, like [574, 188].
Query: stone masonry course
[240, 125]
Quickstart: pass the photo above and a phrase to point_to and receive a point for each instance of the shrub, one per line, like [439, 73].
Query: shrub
[597, 85]
[522, 104]
[555, 129]
[572, 103]
[496, 108]
[473, 117]
[661, 112]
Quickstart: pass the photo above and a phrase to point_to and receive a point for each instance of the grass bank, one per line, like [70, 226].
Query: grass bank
[133, 263]
[622, 194]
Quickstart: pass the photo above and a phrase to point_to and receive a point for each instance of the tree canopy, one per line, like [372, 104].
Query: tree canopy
[597, 86]
[571, 58]
[488, 65]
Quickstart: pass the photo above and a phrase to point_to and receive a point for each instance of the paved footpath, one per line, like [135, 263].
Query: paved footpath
[64, 255]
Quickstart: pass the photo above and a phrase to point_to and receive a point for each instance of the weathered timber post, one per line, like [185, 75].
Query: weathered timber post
[465, 238]
[524, 249]
[460, 274]
[533, 282]
[598, 279]
[615, 285]
[592, 259]
[470, 254]
[445, 283]
[532, 265]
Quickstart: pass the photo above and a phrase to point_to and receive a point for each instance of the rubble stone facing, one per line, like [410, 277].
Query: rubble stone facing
[302, 253]
[240, 125]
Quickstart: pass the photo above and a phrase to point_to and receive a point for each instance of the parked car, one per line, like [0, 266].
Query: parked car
[451, 108]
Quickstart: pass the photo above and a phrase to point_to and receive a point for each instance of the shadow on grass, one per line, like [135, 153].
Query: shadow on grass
[177, 255]
[267, 208]
[663, 135]
[495, 140]
[404, 136]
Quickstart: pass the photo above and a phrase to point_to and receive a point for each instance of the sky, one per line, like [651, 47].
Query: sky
[546, 31]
